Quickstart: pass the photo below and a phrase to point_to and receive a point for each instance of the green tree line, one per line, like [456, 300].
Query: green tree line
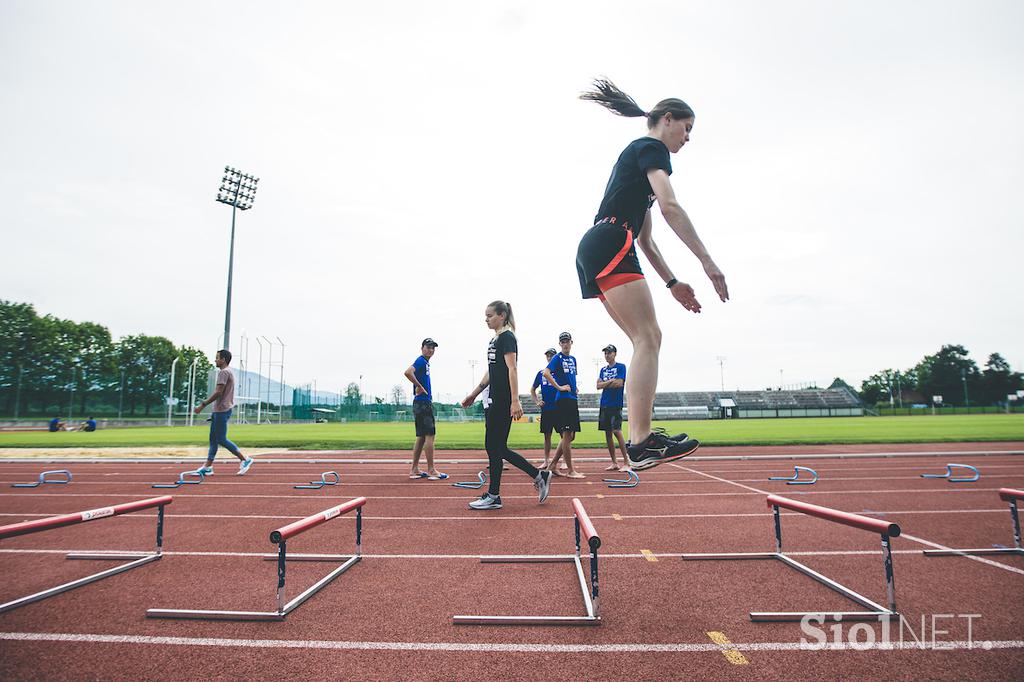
[49, 365]
[950, 373]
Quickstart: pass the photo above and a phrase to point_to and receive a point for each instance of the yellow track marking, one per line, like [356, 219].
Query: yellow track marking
[616, 517]
[649, 555]
[731, 654]
[600, 496]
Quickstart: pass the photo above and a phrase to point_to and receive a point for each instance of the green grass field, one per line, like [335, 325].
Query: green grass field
[470, 435]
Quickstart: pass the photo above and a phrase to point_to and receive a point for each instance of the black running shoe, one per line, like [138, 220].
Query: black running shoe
[658, 449]
[679, 438]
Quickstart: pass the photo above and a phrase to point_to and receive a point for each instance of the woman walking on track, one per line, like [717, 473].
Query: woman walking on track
[608, 267]
[503, 379]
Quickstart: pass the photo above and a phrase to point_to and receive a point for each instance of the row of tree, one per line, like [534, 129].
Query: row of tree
[950, 373]
[50, 366]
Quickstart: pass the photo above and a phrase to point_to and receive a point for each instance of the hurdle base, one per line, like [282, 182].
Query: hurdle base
[137, 560]
[876, 612]
[202, 614]
[592, 618]
[526, 620]
[1019, 551]
[191, 614]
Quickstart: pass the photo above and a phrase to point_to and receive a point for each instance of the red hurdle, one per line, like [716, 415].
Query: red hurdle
[280, 537]
[885, 528]
[1006, 495]
[585, 530]
[53, 522]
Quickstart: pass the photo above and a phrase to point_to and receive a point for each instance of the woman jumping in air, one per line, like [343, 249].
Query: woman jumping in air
[503, 378]
[608, 267]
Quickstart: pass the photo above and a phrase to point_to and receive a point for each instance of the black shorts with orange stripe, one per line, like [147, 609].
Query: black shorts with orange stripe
[606, 255]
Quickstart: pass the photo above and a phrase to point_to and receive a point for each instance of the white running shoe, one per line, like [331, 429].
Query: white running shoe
[245, 466]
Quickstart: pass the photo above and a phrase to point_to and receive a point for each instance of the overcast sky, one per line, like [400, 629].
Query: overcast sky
[855, 170]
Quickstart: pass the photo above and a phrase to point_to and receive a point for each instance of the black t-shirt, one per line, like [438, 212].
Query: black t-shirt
[504, 342]
[629, 194]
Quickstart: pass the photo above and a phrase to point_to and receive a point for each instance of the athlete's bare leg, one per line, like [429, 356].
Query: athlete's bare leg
[631, 307]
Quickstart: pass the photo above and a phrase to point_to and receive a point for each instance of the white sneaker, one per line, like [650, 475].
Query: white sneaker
[205, 471]
[486, 501]
[245, 466]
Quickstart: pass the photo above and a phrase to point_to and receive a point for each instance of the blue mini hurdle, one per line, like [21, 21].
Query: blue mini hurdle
[795, 478]
[316, 485]
[43, 479]
[632, 480]
[473, 485]
[183, 480]
[949, 474]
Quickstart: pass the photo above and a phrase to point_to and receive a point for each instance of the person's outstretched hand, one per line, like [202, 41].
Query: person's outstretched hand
[683, 293]
[718, 279]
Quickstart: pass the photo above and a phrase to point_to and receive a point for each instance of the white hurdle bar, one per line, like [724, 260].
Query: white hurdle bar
[583, 526]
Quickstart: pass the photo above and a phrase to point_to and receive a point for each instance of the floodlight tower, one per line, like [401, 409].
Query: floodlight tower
[238, 190]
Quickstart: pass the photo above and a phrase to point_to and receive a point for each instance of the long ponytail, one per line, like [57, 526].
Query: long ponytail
[609, 96]
[503, 308]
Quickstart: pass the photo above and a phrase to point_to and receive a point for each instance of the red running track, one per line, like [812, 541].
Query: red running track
[389, 616]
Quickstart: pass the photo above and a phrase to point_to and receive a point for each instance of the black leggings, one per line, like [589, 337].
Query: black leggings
[498, 422]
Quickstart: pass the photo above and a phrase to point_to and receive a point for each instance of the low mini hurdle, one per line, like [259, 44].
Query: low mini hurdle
[949, 474]
[316, 485]
[885, 528]
[183, 479]
[280, 538]
[134, 560]
[632, 480]
[1006, 495]
[590, 600]
[795, 478]
[43, 479]
[473, 485]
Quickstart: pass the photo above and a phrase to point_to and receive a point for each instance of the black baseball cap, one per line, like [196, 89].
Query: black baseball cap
[610, 349]
[551, 351]
[429, 342]
[565, 336]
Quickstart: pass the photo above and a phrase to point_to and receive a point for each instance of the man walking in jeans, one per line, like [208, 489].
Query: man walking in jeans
[223, 400]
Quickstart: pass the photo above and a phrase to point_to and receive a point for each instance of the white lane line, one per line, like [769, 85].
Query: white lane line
[421, 498]
[475, 557]
[477, 517]
[455, 459]
[933, 545]
[989, 562]
[496, 647]
[410, 484]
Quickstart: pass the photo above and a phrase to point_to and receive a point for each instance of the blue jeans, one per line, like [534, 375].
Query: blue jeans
[219, 435]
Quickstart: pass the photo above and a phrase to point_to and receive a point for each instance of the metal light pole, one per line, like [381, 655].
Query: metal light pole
[238, 190]
[963, 377]
[721, 368]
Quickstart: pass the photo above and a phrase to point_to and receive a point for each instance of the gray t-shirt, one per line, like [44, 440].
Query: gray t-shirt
[226, 401]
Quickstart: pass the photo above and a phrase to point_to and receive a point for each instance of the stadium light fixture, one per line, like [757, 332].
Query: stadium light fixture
[237, 190]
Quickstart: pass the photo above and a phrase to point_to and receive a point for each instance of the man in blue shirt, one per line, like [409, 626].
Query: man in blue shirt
[546, 403]
[56, 425]
[89, 425]
[561, 372]
[423, 412]
[610, 381]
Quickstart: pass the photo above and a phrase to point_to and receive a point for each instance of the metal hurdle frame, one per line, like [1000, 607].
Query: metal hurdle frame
[280, 538]
[884, 528]
[590, 597]
[134, 560]
[1006, 495]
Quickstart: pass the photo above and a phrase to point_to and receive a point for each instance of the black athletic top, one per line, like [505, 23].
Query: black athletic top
[628, 194]
[505, 342]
